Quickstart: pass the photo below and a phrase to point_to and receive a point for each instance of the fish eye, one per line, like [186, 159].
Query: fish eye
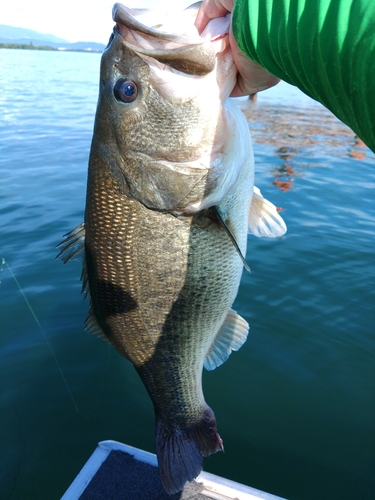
[125, 90]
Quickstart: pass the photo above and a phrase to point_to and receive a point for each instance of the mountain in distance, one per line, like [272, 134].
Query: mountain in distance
[14, 35]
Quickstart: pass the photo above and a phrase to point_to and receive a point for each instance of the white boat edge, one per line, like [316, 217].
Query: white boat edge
[215, 487]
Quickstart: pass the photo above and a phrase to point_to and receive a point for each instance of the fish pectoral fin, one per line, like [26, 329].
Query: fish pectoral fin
[225, 226]
[263, 217]
[231, 336]
[73, 246]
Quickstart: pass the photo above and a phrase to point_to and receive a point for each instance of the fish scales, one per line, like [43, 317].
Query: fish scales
[169, 202]
[179, 272]
[159, 261]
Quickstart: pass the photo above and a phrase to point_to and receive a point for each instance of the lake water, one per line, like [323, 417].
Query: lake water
[295, 406]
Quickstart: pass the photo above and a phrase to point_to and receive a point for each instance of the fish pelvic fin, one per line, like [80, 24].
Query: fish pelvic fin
[231, 336]
[73, 246]
[180, 451]
[264, 220]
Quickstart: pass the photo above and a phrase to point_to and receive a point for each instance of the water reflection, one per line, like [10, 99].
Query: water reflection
[284, 174]
[302, 129]
[296, 134]
[358, 152]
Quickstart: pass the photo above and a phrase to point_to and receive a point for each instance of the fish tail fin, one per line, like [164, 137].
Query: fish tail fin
[180, 451]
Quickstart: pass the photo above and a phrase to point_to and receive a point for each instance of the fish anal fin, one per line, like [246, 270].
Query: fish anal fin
[180, 451]
[264, 220]
[231, 336]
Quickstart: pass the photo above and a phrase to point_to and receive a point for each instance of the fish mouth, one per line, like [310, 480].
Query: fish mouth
[189, 54]
[126, 18]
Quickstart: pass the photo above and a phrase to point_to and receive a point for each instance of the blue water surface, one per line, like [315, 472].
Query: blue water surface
[295, 406]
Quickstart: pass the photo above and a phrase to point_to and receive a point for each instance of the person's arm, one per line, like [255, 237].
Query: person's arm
[251, 77]
[324, 47]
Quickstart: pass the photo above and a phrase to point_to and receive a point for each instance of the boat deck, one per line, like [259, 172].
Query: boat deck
[117, 471]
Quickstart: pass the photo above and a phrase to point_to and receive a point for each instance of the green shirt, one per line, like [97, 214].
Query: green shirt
[324, 47]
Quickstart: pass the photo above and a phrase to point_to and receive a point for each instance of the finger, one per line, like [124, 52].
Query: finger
[251, 77]
[244, 87]
[211, 9]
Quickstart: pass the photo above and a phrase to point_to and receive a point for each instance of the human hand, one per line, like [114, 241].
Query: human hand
[251, 77]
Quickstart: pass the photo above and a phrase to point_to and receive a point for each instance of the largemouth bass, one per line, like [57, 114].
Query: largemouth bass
[170, 199]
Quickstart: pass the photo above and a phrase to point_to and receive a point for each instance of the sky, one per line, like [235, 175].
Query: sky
[72, 20]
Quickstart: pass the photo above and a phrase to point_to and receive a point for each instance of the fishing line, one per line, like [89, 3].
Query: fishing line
[20, 389]
[5, 263]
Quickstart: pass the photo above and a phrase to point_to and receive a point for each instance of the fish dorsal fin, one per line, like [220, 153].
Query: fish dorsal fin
[263, 217]
[225, 226]
[91, 323]
[73, 246]
[92, 326]
[231, 336]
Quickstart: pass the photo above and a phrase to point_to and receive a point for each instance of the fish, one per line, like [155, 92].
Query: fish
[169, 204]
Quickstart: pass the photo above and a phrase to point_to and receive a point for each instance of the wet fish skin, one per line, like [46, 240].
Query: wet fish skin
[148, 145]
[170, 282]
[160, 284]
[166, 302]
[159, 269]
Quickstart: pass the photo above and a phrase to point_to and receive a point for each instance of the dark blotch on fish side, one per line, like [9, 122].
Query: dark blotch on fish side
[120, 301]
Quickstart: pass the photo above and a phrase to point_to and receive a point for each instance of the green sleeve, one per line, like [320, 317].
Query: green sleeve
[324, 47]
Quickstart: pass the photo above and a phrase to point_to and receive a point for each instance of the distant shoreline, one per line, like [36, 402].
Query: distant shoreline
[30, 46]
